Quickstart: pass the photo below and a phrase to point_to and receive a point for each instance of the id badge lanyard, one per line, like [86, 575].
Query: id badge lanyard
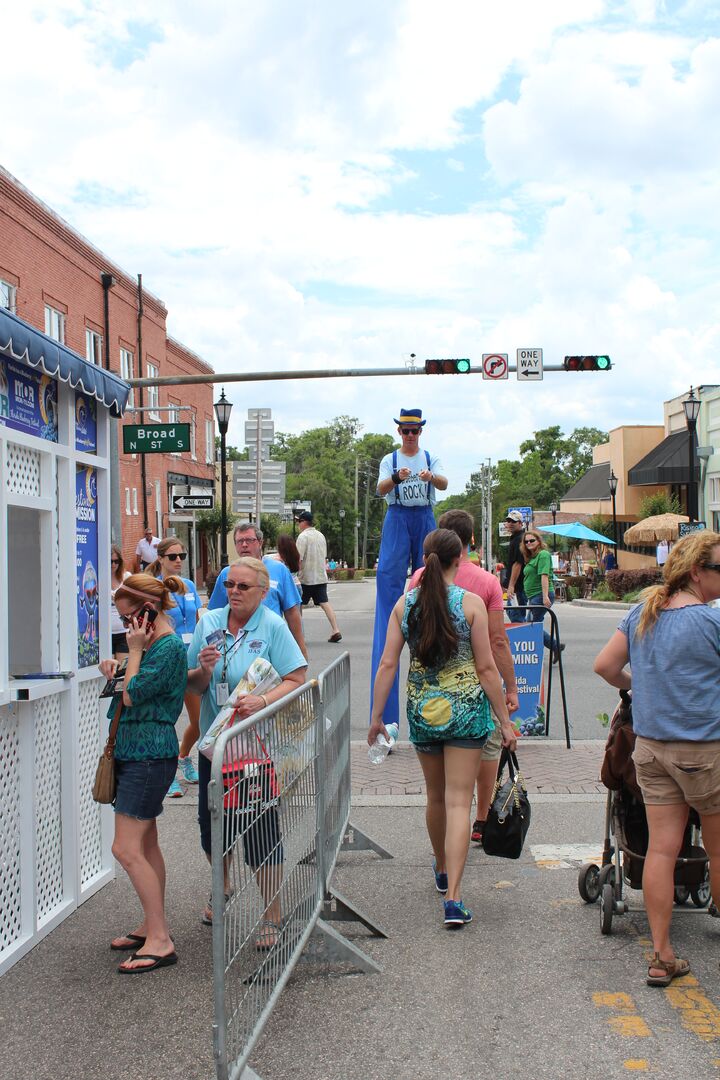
[222, 691]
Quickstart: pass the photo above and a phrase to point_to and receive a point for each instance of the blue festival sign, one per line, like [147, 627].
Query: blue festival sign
[85, 423]
[526, 644]
[86, 550]
[28, 400]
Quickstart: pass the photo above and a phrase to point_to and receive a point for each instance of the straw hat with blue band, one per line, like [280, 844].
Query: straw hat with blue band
[410, 416]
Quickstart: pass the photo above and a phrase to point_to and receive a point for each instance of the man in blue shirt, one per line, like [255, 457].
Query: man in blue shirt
[282, 596]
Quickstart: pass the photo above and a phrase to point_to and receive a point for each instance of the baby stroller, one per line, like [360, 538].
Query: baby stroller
[626, 834]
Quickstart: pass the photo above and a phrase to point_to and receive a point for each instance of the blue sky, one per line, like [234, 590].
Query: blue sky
[327, 186]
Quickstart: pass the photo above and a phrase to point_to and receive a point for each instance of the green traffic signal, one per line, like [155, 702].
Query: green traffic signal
[603, 362]
[463, 366]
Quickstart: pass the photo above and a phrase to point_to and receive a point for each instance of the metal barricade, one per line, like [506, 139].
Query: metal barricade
[279, 799]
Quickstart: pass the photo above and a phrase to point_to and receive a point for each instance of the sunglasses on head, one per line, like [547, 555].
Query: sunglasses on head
[410, 430]
[182, 555]
[240, 585]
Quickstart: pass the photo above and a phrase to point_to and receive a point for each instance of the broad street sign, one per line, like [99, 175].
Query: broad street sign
[494, 365]
[529, 365]
[156, 438]
[193, 502]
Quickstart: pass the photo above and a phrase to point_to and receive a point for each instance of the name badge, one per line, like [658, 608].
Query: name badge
[222, 693]
[187, 638]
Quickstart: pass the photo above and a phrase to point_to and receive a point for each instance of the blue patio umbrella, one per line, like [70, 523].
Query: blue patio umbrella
[576, 531]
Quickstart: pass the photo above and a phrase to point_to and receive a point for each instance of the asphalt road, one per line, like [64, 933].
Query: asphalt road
[584, 631]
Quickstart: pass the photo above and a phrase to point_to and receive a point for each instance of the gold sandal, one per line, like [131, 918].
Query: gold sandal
[674, 969]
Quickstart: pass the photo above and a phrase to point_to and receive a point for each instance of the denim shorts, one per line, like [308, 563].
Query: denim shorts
[142, 786]
[437, 747]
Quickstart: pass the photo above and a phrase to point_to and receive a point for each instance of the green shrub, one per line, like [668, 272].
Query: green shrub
[632, 597]
[573, 593]
[603, 593]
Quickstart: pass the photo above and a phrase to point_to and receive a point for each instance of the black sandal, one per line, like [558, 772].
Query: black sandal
[136, 942]
[158, 962]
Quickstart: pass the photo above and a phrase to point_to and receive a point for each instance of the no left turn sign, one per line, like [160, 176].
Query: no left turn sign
[495, 366]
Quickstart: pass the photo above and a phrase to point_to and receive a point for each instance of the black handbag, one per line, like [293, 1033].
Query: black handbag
[509, 817]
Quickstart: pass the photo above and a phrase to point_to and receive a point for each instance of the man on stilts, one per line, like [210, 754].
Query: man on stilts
[408, 480]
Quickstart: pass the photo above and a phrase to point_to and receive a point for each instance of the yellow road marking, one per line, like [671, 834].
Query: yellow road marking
[697, 1012]
[626, 1019]
[637, 1064]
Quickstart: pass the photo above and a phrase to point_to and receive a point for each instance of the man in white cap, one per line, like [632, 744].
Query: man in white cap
[516, 561]
[408, 481]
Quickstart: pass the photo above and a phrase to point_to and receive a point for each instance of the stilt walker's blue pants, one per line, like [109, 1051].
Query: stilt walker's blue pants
[404, 531]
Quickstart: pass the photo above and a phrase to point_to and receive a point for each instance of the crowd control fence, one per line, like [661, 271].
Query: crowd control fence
[279, 798]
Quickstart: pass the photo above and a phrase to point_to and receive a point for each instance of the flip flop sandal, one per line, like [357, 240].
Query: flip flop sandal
[158, 962]
[136, 942]
[674, 969]
[268, 935]
[477, 831]
[205, 918]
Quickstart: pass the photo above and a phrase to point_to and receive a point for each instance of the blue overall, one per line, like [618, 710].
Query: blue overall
[404, 530]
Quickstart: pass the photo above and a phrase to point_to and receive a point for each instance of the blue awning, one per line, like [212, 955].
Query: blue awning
[29, 346]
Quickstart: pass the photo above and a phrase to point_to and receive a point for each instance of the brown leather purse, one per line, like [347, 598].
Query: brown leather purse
[104, 786]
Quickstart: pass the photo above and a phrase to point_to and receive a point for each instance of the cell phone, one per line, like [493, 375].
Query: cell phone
[116, 684]
[147, 612]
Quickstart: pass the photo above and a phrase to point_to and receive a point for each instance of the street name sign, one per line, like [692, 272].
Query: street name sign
[530, 365]
[494, 365]
[193, 502]
[687, 527]
[156, 438]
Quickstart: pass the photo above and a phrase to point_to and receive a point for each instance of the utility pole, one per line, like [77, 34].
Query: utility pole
[357, 539]
[258, 474]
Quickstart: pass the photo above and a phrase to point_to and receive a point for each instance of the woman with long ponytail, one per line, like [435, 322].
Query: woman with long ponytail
[672, 643]
[451, 680]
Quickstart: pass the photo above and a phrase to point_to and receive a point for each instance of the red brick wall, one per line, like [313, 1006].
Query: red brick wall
[50, 263]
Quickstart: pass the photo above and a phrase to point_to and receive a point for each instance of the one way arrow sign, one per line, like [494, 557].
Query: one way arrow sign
[193, 502]
[529, 364]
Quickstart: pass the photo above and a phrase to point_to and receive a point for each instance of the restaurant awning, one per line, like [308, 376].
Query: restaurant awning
[29, 346]
[666, 464]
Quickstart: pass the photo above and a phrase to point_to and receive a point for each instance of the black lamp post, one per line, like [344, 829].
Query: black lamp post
[612, 484]
[691, 405]
[554, 507]
[342, 537]
[223, 408]
[293, 505]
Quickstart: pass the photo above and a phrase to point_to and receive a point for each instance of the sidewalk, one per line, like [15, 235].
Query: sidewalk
[547, 767]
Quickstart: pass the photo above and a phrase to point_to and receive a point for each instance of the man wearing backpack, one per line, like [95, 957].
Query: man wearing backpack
[408, 481]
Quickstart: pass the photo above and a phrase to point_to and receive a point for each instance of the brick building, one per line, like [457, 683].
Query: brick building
[55, 280]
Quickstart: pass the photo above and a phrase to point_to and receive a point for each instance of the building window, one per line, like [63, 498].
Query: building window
[209, 442]
[127, 371]
[55, 324]
[153, 392]
[134, 494]
[93, 347]
[127, 502]
[8, 295]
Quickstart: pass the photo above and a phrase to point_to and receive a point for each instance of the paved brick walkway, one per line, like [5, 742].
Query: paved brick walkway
[548, 768]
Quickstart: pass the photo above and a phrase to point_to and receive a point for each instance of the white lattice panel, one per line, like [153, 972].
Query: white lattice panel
[10, 909]
[23, 470]
[88, 734]
[48, 807]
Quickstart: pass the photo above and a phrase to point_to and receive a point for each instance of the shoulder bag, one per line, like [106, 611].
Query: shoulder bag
[509, 816]
[104, 786]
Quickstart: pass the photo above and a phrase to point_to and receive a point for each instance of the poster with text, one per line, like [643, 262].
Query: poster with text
[86, 549]
[28, 400]
[85, 423]
[526, 644]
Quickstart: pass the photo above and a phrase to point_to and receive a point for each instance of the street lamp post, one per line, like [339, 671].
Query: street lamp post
[342, 537]
[554, 507]
[612, 484]
[293, 505]
[691, 405]
[223, 408]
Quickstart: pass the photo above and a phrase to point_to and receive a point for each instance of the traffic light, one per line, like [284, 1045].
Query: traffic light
[587, 363]
[447, 367]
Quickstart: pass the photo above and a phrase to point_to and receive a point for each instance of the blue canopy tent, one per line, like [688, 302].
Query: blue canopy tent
[575, 530]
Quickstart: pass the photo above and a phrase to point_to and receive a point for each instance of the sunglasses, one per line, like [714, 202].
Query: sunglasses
[531, 541]
[711, 566]
[182, 555]
[114, 562]
[247, 542]
[240, 586]
[410, 430]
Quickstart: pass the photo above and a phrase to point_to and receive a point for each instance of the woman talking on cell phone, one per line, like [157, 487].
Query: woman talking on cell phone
[146, 754]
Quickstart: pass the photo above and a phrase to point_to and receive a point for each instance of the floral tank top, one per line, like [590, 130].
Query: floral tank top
[448, 702]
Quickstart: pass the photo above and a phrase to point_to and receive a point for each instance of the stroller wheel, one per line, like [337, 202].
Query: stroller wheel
[607, 876]
[682, 895]
[607, 905]
[589, 882]
[700, 894]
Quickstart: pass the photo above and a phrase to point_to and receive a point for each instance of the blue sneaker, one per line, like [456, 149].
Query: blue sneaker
[456, 914]
[441, 883]
[174, 791]
[188, 770]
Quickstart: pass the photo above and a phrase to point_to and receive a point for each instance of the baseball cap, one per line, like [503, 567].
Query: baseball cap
[514, 515]
[304, 515]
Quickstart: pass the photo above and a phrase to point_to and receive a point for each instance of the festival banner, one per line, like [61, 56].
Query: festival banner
[526, 644]
[28, 400]
[86, 548]
[85, 423]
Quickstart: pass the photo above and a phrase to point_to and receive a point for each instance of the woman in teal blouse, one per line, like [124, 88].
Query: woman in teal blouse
[537, 578]
[146, 753]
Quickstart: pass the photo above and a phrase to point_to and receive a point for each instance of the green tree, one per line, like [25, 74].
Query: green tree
[270, 525]
[659, 503]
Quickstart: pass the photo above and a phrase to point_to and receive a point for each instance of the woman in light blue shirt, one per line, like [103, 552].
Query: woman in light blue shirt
[672, 644]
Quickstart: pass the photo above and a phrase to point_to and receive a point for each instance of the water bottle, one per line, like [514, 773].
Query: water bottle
[393, 731]
[379, 750]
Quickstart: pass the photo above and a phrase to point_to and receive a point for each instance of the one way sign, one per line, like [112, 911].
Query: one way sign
[530, 364]
[193, 502]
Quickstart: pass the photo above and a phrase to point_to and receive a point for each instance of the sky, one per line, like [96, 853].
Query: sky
[336, 185]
